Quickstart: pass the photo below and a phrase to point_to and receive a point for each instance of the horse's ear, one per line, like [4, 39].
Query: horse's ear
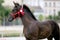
[14, 3]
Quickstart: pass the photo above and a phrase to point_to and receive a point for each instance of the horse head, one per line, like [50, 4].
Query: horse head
[17, 11]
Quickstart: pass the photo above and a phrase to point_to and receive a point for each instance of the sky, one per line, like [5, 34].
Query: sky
[10, 2]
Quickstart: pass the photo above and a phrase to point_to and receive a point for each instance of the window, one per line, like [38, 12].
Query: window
[50, 4]
[54, 10]
[46, 4]
[49, 12]
[54, 4]
[46, 11]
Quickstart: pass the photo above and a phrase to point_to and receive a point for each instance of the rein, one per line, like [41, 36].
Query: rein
[21, 11]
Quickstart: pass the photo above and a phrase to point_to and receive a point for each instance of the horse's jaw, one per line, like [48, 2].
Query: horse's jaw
[10, 19]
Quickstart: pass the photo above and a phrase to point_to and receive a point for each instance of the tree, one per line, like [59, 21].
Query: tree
[49, 17]
[3, 12]
[41, 17]
[59, 13]
[1, 1]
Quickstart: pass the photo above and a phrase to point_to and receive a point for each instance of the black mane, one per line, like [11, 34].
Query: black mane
[30, 13]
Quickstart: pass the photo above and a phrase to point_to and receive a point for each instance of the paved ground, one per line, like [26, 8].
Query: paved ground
[20, 28]
[15, 38]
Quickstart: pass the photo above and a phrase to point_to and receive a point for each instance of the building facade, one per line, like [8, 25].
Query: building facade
[51, 7]
[35, 6]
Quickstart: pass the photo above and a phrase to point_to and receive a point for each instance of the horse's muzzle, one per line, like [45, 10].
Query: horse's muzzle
[10, 19]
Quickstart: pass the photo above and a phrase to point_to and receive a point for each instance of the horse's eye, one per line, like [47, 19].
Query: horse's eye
[16, 6]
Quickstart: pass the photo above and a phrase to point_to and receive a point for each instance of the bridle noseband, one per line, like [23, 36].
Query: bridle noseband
[21, 11]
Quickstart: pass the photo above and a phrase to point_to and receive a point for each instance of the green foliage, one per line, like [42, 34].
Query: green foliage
[59, 13]
[49, 17]
[41, 17]
[1, 1]
[3, 12]
[0, 35]
[11, 35]
[55, 17]
[7, 11]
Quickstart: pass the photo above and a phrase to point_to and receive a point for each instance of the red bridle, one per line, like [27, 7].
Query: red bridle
[21, 11]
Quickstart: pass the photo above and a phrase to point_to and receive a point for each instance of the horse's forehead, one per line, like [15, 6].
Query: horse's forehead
[15, 8]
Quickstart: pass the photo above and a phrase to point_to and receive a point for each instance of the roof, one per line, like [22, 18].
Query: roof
[51, 0]
[36, 8]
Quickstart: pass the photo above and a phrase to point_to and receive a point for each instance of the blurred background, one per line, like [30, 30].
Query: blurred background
[42, 10]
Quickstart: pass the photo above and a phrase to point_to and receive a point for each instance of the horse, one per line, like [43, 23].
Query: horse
[34, 29]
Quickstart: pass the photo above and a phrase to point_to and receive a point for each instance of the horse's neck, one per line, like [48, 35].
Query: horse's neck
[26, 20]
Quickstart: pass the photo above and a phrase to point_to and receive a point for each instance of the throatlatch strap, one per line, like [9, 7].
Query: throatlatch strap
[22, 11]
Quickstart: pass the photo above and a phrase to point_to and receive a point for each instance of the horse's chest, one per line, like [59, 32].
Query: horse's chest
[26, 31]
[30, 31]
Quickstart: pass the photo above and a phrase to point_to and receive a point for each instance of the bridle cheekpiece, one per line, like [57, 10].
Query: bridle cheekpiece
[19, 13]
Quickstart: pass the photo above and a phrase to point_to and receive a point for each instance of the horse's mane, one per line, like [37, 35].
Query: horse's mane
[30, 13]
